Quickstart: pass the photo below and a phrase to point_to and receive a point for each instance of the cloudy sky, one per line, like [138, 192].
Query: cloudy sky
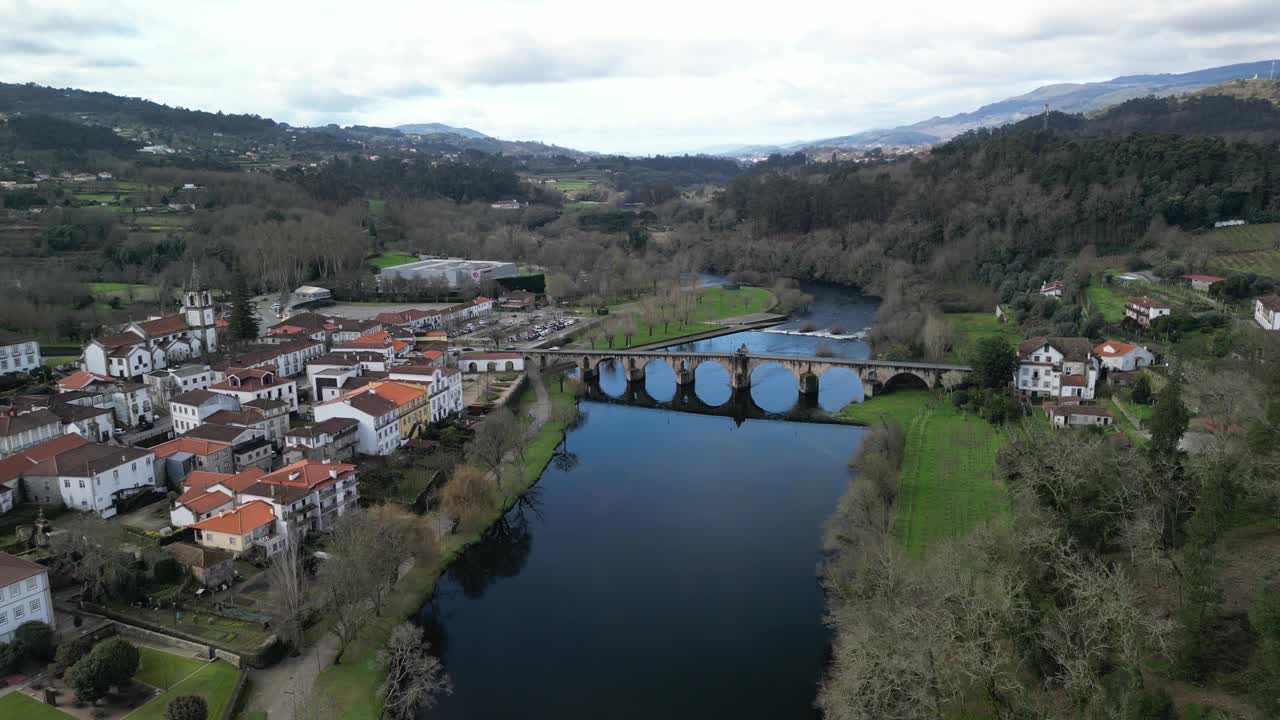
[643, 77]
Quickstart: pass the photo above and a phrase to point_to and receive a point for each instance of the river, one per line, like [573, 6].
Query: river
[663, 567]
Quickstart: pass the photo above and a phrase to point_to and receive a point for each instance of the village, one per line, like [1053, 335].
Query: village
[203, 459]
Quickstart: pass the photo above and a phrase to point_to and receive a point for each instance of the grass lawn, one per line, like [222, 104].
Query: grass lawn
[214, 682]
[717, 303]
[391, 259]
[96, 197]
[58, 360]
[969, 328]
[17, 706]
[1106, 301]
[161, 669]
[570, 185]
[351, 687]
[1126, 426]
[224, 631]
[946, 487]
[106, 291]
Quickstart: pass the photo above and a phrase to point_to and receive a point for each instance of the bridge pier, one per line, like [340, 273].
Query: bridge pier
[869, 389]
[808, 384]
[684, 377]
[740, 380]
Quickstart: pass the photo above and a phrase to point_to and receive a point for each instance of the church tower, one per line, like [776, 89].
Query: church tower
[197, 309]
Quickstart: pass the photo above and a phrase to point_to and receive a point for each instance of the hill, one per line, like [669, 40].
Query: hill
[1261, 88]
[439, 129]
[1061, 97]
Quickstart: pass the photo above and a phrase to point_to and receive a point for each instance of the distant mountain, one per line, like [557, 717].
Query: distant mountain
[440, 129]
[1063, 97]
[1261, 88]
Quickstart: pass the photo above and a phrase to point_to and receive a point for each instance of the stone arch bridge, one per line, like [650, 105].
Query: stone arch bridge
[874, 374]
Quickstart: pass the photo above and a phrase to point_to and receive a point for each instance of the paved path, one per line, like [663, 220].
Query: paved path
[283, 688]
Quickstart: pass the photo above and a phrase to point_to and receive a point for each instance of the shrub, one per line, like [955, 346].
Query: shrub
[69, 652]
[88, 678]
[10, 656]
[1142, 390]
[36, 640]
[120, 660]
[960, 398]
[187, 707]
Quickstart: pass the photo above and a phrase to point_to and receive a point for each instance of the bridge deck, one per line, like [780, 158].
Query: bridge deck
[751, 356]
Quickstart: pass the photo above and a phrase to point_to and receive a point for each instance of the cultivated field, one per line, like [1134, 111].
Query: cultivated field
[1260, 262]
[947, 485]
[967, 329]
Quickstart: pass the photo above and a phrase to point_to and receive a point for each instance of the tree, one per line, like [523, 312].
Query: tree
[415, 678]
[364, 560]
[88, 678]
[993, 362]
[937, 336]
[69, 652]
[10, 657]
[91, 552]
[1142, 390]
[1169, 419]
[187, 707]
[120, 660]
[242, 324]
[36, 640]
[469, 495]
[289, 577]
[495, 438]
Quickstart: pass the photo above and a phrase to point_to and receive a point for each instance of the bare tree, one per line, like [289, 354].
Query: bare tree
[97, 554]
[415, 678]
[289, 577]
[364, 556]
[936, 336]
[468, 496]
[497, 437]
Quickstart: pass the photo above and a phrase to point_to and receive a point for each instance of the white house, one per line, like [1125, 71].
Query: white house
[24, 595]
[306, 496]
[19, 431]
[1123, 357]
[249, 384]
[155, 343]
[162, 385]
[93, 476]
[333, 439]
[492, 362]
[1056, 367]
[444, 387]
[378, 418]
[1052, 289]
[189, 409]
[1143, 310]
[1073, 415]
[1266, 311]
[18, 353]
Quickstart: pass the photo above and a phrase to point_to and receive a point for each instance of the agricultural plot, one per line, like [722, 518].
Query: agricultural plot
[124, 291]
[1261, 262]
[571, 185]
[967, 329]
[947, 486]
[1106, 301]
[1244, 238]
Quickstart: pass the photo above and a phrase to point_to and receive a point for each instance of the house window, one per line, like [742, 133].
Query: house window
[31, 583]
[18, 612]
[14, 590]
[4, 618]
[66, 482]
[35, 606]
[81, 483]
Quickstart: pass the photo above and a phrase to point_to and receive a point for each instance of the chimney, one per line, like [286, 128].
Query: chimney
[333, 473]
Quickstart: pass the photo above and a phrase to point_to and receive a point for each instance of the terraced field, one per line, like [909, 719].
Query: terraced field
[1261, 262]
[1244, 238]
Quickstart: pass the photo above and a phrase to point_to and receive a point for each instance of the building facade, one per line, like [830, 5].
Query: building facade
[18, 353]
[24, 595]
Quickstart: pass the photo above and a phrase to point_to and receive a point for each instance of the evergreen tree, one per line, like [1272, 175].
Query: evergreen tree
[994, 362]
[1169, 419]
[243, 324]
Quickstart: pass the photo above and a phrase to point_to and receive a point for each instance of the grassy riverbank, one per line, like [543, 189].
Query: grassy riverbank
[947, 485]
[351, 687]
[716, 304]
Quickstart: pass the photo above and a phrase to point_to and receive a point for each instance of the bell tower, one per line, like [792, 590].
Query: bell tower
[197, 310]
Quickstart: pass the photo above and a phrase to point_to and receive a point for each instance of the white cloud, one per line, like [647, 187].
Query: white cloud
[662, 76]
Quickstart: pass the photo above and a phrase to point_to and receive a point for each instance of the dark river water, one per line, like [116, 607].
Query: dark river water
[664, 566]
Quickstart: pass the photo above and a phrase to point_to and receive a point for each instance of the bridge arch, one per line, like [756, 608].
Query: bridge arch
[905, 377]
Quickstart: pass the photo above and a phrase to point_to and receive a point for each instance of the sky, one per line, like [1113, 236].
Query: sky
[647, 77]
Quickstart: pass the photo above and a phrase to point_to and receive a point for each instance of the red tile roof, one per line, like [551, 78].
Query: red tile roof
[1202, 278]
[239, 522]
[79, 379]
[1144, 301]
[14, 569]
[167, 325]
[308, 473]
[23, 460]
[1113, 348]
[1270, 302]
[200, 502]
[186, 444]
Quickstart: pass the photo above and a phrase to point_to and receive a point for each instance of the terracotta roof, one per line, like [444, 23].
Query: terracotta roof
[1068, 410]
[195, 556]
[1072, 349]
[368, 403]
[265, 404]
[308, 473]
[194, 446]
[243, 479]
[335, 359]
[167, 325]
[12, 338]
[1074, 380]
[250, 380]
[14, 569]
[1143, 301]
[1202, 278]
[23, 460]
[308, 322]
[279, 492]
[15, 423]
[1114, 348]
[239, 522]
[201, 502]
[119, 340]
[1270, 302]
[79, 379]
[380, 339]
[88, 459]
[201, 479]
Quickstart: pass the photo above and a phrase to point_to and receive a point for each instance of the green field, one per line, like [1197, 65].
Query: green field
[717, 304]
[570, 185]
[967, 329]
[391, 259]
[57, 360]
[106, 291]
[1244, 238]
[947, 485]
[1261, 262]
[1106, 301]
[15, 706]
[215, 682]
[163, 670]
[96, 197]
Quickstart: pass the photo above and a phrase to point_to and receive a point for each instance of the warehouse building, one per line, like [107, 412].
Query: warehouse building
[454, 271]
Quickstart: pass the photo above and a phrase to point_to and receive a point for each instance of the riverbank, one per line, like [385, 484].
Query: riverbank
[947, 484]
[716, 304]
[351, 688]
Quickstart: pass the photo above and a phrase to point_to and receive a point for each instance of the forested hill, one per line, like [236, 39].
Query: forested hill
[114, 110]
[1236, 118]
[992, 201]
